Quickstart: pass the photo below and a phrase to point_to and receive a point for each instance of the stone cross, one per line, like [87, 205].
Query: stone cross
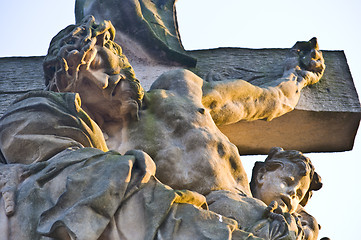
[326, 118]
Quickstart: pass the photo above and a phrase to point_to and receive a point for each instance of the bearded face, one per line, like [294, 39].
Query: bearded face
[85, 59]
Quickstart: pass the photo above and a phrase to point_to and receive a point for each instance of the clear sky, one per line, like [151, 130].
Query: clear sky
[28, 26]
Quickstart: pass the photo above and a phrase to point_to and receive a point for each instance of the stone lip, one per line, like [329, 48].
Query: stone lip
[326, 118]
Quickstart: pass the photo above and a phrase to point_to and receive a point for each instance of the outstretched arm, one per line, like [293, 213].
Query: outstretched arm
[232, 101]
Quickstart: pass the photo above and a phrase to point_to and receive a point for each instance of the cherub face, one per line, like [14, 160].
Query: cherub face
[283, 185]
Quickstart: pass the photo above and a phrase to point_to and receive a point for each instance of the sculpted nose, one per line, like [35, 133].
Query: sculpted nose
[114, 79]
[291, 191]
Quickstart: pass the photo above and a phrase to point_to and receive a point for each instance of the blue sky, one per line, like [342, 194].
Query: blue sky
[28, 26]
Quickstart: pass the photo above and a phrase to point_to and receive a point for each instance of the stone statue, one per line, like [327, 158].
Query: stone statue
[178, 116]
[60, 181]
[284, 182]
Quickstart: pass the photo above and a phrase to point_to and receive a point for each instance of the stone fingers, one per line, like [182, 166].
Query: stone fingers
[8, 183]
[9, 201]
[317, 63]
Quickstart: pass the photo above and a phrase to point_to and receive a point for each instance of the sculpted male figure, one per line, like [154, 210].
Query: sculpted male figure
[175, 122]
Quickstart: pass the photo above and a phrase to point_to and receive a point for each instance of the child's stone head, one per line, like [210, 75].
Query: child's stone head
[287, 177]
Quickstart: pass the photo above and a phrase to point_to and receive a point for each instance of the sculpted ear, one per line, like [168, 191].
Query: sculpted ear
[260, 177]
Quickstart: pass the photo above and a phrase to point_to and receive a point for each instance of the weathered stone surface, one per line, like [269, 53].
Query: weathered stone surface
[326, 117]
[334, 92]
[310, 131]
[147, 30]
[17, 76]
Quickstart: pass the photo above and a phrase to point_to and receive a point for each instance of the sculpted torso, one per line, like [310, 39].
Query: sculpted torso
[177, 131]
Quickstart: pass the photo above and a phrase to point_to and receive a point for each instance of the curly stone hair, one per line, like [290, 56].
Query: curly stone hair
[277, 157]
[68, 53]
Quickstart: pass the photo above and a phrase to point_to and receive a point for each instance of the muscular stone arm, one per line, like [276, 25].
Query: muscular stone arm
[232, 101]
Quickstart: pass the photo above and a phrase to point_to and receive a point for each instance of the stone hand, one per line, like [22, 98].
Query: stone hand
[11, 175]
[278, 225]
[282, 224]
[307, 60]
